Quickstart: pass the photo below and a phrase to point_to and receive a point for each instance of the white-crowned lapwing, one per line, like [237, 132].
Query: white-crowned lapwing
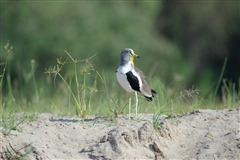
[131, 78]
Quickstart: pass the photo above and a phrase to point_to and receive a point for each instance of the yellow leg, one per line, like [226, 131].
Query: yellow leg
[136, 102]
[129, 107]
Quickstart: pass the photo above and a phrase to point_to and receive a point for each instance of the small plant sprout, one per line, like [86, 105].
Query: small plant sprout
[12, 153]
[10, 122]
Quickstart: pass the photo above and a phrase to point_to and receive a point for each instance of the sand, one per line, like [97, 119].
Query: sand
[201, 134]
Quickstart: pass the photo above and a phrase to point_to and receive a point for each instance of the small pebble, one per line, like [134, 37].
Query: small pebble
[207, 147]
[238, 145]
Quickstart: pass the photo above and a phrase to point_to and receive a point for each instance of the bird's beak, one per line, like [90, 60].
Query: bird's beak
[135, 55]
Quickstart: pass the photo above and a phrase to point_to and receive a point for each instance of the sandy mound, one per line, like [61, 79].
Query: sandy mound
[201, 134]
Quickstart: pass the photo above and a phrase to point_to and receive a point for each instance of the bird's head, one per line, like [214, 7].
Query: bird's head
[129, 55]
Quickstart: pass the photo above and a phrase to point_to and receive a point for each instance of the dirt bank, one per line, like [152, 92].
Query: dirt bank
[201, 134]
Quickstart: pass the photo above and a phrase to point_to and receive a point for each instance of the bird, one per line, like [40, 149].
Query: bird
[131, 78]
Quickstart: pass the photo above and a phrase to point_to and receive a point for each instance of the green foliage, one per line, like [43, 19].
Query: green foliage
[202, 33]
[41, 31]
[156, 121]
[7, 58]
[220, 78]
[45, 29]
[80, 97]
[167, 103]
[18, 99]
[10, 121]
[230, 96]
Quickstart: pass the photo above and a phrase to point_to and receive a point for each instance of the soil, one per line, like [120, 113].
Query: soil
[201, 134]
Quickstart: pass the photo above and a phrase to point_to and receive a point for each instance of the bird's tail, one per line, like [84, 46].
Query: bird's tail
[150, 98]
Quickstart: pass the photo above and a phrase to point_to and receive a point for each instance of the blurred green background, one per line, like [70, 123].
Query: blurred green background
[180, 43]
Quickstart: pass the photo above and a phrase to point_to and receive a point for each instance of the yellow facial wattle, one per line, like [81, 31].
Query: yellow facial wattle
[132, 57]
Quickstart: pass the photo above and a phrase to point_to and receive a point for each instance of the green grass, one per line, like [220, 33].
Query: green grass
[75, 87]
[15, 154]
[82, 95]
[10, 121]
